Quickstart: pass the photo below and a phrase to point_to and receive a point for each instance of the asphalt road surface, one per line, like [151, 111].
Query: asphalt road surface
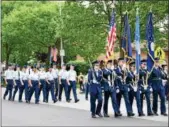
[22, 114]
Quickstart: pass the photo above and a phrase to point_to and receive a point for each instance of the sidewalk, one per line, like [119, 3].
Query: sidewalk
[85, 105]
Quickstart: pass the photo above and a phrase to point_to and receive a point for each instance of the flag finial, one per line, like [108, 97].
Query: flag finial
[151, 8]
[137, 10]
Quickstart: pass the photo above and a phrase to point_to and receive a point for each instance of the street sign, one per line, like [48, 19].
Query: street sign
[62, 52]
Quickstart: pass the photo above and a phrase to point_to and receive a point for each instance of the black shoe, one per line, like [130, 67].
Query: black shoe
[54, 101]
[76, 100]
[100, 115]
[156, 114]
[4, 97]
[164, 114]
[36, 102]
[106, 115]
[93, 116]
[141, 114]
[60, 100]
[117, 114]
[68, 101]
[150, 114]
[20, 100]
[130, 114]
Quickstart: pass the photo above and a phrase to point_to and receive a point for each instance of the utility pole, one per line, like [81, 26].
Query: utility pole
[62, 52]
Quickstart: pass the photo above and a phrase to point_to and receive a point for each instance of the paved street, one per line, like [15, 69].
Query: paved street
[67, 114]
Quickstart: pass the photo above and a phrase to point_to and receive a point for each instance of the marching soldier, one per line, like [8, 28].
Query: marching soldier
[55, 73]
[28, 69]
[34, 85]
[146, 89]
[87, 87]
[17, 83]
[109, 89]
[121, 82]
[63, 83]
[94, 78]
[42, 81]
[165, 78]
[158, 88]
[24, 82]
[9, 75]
[131, 80]
[72, 75]
[50, 85]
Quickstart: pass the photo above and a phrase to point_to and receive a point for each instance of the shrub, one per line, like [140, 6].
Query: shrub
[80, 66]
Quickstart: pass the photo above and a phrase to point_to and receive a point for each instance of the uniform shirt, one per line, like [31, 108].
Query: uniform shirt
[17, 75]
[63, 74]
[29, 71]
[24, 76]
[55, 73]
[49, 76]
[42, 75]
[9, 74]
[34, 76]
[72, 75]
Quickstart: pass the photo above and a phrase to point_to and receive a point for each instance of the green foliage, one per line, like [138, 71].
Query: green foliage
[34, 26]
[80, 66]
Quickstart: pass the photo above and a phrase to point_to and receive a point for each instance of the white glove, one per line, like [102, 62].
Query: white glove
[117, 91]
[135, 89]
[128, 89]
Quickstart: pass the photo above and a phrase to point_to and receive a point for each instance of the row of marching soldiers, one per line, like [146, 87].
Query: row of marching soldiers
[122, 80]
[34, 80]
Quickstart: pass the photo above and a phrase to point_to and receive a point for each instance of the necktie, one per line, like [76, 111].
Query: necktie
[29, 71]
[18, 74]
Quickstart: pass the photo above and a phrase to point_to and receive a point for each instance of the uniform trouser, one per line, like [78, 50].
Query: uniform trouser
[34, 88]
[166, 89]
[93, 98]
[135, 94]
[21, 89]
[17, 86]
[73, 87]
[56, 87]
[9, 88]
[111, 94]
[161, 92]
[26, 89]
[65, 87]
[87, 90]
[43, 88]
[147, 94]
[50, 87]
[124, 92]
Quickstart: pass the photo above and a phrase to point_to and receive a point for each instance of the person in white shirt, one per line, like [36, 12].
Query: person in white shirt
[42, 77]
[29, 69]
[24, 81]
[8, 76]
[17, 83]
[71, 79]
[63, 83]
[50, 85]
[55, 73]
[34, 85]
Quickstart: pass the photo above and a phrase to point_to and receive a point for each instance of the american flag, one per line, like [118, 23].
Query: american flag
[111, 37]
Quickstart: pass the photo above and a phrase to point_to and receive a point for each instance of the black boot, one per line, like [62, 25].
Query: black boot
[117, 114]
[76, 100]
[93, 115]
[99, 114]
[130, 114]
[150, 114]
[106, 115]
[164, 114]
[141, 114]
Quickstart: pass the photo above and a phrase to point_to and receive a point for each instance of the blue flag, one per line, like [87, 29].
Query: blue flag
[150, 42]
[137, 42]
[126, 40]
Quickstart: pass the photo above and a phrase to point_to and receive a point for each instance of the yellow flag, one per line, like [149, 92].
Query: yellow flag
[160, 54]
